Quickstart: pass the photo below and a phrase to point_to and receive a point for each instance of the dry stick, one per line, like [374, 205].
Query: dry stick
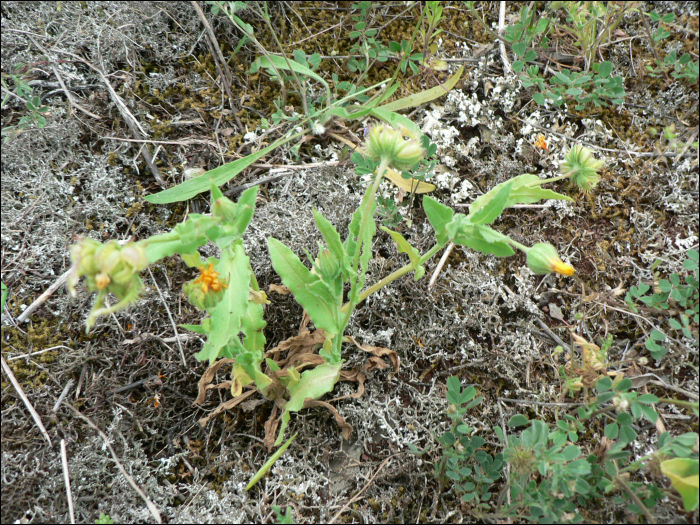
[223, 69]
[133, 125]
[170, 316]
[48, 293]
[621, 482]
[24, 397]
[68, 94]
[151, 507]
[66, 480]
[63, 395]
[357, 496]
[173, 142]
[438, 268]
[507, 68]
[43, 297]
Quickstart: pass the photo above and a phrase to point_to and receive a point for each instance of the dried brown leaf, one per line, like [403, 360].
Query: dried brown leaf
[208, 377]
[346, 428]
[227, 405]
[280, 289]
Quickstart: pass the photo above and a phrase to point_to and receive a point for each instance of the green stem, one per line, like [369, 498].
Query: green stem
[383, 165]
[553, 179]
[393, 276]
[519, 246]
[679, 402]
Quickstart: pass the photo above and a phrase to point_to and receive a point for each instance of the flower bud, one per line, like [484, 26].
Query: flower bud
[108, 268]
[328, 264]
[581, 167]
[384, 142]
[543, 258]
[224, 208]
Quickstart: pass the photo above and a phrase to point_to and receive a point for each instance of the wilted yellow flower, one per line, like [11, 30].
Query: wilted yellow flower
[540, 142]
[543, 258]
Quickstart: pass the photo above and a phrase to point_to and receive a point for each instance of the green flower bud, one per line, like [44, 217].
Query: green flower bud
[543, 258]
[224, 208]
[109, 268]
[581, 167]
[82, 256]
[384, 142]
[328, 264]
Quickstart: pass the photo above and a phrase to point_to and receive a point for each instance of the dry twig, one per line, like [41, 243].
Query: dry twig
[66, 479]
[358, 494]
[24, 397]
[151, 507]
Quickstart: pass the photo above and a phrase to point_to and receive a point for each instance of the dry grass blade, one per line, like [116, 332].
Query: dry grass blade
[24, 397]
[66, 479]
[151, 507]
[361, 491]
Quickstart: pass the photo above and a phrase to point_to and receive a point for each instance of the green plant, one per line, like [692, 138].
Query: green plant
[682, 68]
[598, 88]
[104, 519]
[661, 32]
[428, 35]
[680, 296]
[543, 464]
[282, 517]
[234, 328]
[591, 24]
[3, 298]
[469, 470]
[37, 111]
[367, 45]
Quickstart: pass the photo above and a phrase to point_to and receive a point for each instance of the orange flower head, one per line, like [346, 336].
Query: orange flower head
[209, 279]
[541, 143]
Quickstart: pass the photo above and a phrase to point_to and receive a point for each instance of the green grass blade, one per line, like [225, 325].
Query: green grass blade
[220, 176]
[268, 464]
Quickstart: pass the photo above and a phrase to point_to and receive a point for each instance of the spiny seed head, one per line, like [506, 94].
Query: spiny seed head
[384, 142]
[581, 167]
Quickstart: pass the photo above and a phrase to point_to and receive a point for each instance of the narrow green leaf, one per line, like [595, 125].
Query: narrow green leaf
[485, 240]
[220, 176]
[332, 238]
[197, 328]
[403, 245]
[3, 298]
[286, 64]
[268, 464]
[489, 209]
[352, 242]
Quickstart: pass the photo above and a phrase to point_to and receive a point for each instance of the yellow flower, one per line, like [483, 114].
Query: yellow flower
[209, 279]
